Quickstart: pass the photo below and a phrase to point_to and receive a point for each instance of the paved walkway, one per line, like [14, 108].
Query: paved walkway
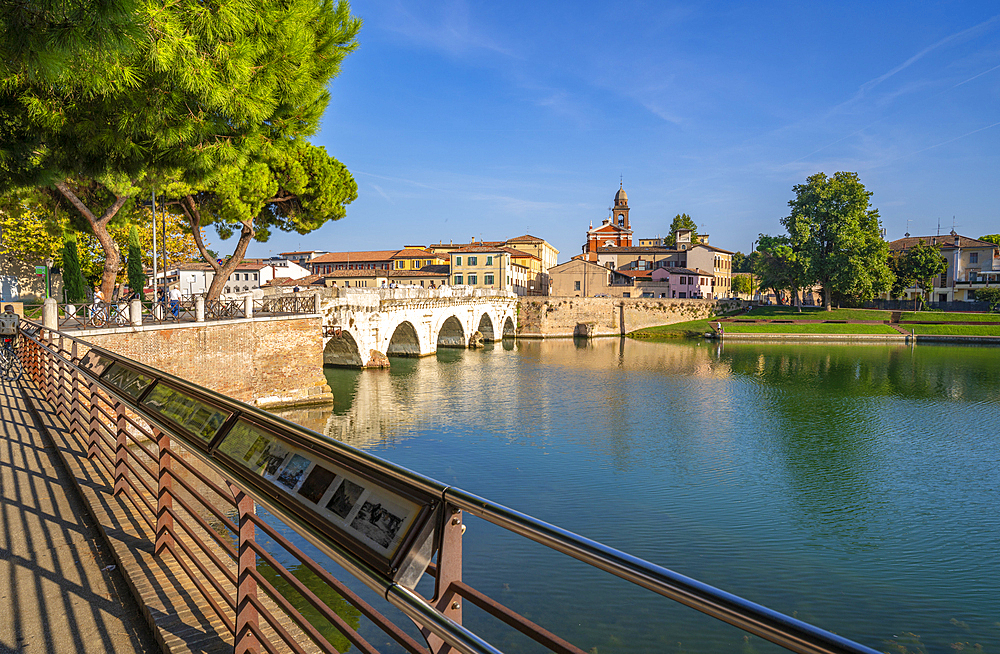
[59, 591]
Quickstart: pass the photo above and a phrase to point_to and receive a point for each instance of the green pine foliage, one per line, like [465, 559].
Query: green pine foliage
[73, 281]
[195, 99]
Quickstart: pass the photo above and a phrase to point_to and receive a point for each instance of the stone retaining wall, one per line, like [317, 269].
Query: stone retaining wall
[552, 317]
[269, 362]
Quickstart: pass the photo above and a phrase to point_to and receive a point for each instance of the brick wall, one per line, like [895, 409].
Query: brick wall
[558, 316]
[265, 361]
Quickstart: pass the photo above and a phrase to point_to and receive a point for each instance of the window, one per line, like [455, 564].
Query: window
[626, 295]
[944, 281]
[473, 278]
[576, 286]
[458, 280]
[416, 265]
[473, 261]
[458, 262]
[489, 261]
[973, 257]
[488, 279]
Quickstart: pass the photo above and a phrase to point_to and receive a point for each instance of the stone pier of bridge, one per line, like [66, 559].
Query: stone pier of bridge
[361, 327]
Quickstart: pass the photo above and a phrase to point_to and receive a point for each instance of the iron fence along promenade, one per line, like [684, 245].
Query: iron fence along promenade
[186, 460]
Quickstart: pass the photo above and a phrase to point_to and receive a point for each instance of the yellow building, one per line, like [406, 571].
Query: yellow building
[483, 266]
[414, 257]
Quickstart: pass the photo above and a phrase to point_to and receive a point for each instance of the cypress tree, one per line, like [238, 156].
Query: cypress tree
[73, 281]
[136, 277]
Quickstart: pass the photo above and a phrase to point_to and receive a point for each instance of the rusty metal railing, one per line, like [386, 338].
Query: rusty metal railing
[200, 511]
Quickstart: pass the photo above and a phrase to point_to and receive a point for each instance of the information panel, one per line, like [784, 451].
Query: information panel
[366, 511]
[194, 416]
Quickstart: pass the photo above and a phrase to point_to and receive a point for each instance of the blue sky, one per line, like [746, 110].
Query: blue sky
[492, 119]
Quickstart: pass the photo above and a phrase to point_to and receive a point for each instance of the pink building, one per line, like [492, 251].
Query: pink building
[686, 283]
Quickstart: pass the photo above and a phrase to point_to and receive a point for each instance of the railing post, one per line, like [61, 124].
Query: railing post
[449, 570]
[121, 481]
[248, 306]
[95, 421]
[135, 312]
[199, 309]
[74, 404]
[317, 303]
[164, 495]
[49, 366]
[50, 314]
[61, 404]
[246, 586]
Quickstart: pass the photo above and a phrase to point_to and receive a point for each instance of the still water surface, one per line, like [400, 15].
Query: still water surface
[854, 487]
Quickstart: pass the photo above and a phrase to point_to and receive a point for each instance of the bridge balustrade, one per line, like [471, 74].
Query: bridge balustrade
[195, 465]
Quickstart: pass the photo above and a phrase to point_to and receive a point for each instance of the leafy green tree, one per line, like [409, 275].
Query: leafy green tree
[741, 285]
[291, 186]
[834, 228]
[73, 281]
[991, 238]
[923, 263]
[781, 268]
[30, 235]
[204, 90]
[136, 276]
[990, 294]
[681, 221]
[902, 275]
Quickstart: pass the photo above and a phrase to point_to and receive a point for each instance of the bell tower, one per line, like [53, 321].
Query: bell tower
[619, 213]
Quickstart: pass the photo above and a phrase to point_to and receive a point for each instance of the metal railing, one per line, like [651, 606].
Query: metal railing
[100, 315]
[178, 491]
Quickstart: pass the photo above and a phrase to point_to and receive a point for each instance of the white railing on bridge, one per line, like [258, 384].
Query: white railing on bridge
[419, 292]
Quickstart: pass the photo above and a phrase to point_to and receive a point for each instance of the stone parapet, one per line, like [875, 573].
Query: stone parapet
[558, 317]
[269, 362]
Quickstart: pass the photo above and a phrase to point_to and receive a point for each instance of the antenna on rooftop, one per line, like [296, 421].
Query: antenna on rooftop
[907, 235]
[939, 226]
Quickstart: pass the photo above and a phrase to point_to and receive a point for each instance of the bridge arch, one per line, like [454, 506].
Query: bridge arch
[485, 327]
[343, 350]
[508, 328]
[451, 333]
[404, 342]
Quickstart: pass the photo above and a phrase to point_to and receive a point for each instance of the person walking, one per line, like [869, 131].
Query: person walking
[175, 302]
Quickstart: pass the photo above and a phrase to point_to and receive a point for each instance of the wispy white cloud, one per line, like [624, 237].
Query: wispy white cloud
[382, 193]
[444, 26]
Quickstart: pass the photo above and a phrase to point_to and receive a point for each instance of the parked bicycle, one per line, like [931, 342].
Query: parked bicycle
[108, 314]
[10, 364]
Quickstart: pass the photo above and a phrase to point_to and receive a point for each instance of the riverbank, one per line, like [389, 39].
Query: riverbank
[814, 324]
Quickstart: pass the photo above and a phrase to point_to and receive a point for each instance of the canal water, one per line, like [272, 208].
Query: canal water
[855, 487]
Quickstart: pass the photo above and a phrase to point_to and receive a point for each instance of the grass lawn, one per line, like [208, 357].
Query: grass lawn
[950, 317]
[955, 330]
[676, 330]
[815, 328]
[813, 313]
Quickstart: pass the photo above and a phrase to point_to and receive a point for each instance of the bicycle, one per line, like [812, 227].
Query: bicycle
[103, 314]
[10, 363]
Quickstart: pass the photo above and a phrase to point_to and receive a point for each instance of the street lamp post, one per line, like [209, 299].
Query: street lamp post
[753, 247]
[48, 273]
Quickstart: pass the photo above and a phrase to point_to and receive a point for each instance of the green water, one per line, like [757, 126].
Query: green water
[854, 487]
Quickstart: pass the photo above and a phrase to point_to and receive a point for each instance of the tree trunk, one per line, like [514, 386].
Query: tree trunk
[222, 271]
[827, 302]
[112, 258]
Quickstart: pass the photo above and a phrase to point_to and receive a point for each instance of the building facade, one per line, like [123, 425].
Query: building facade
[972, 264]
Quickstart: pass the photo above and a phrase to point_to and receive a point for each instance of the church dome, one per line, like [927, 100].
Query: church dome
[621, 197]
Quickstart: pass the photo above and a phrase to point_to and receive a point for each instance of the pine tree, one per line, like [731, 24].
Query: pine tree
[206, 92]
[73, 281]
[136, 276]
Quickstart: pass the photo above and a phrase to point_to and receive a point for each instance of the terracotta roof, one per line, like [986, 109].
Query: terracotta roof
[414, 253]
[527, 238]
[480, 248]
[302, 252]
[426, 271]
[946, 242]
[368, 272]
[638, 249]
[520, 254]
[458, 246]
[288, 281]
[354, 257]
[636, 273]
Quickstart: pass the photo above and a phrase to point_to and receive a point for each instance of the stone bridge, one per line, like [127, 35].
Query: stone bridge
[361, 327]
